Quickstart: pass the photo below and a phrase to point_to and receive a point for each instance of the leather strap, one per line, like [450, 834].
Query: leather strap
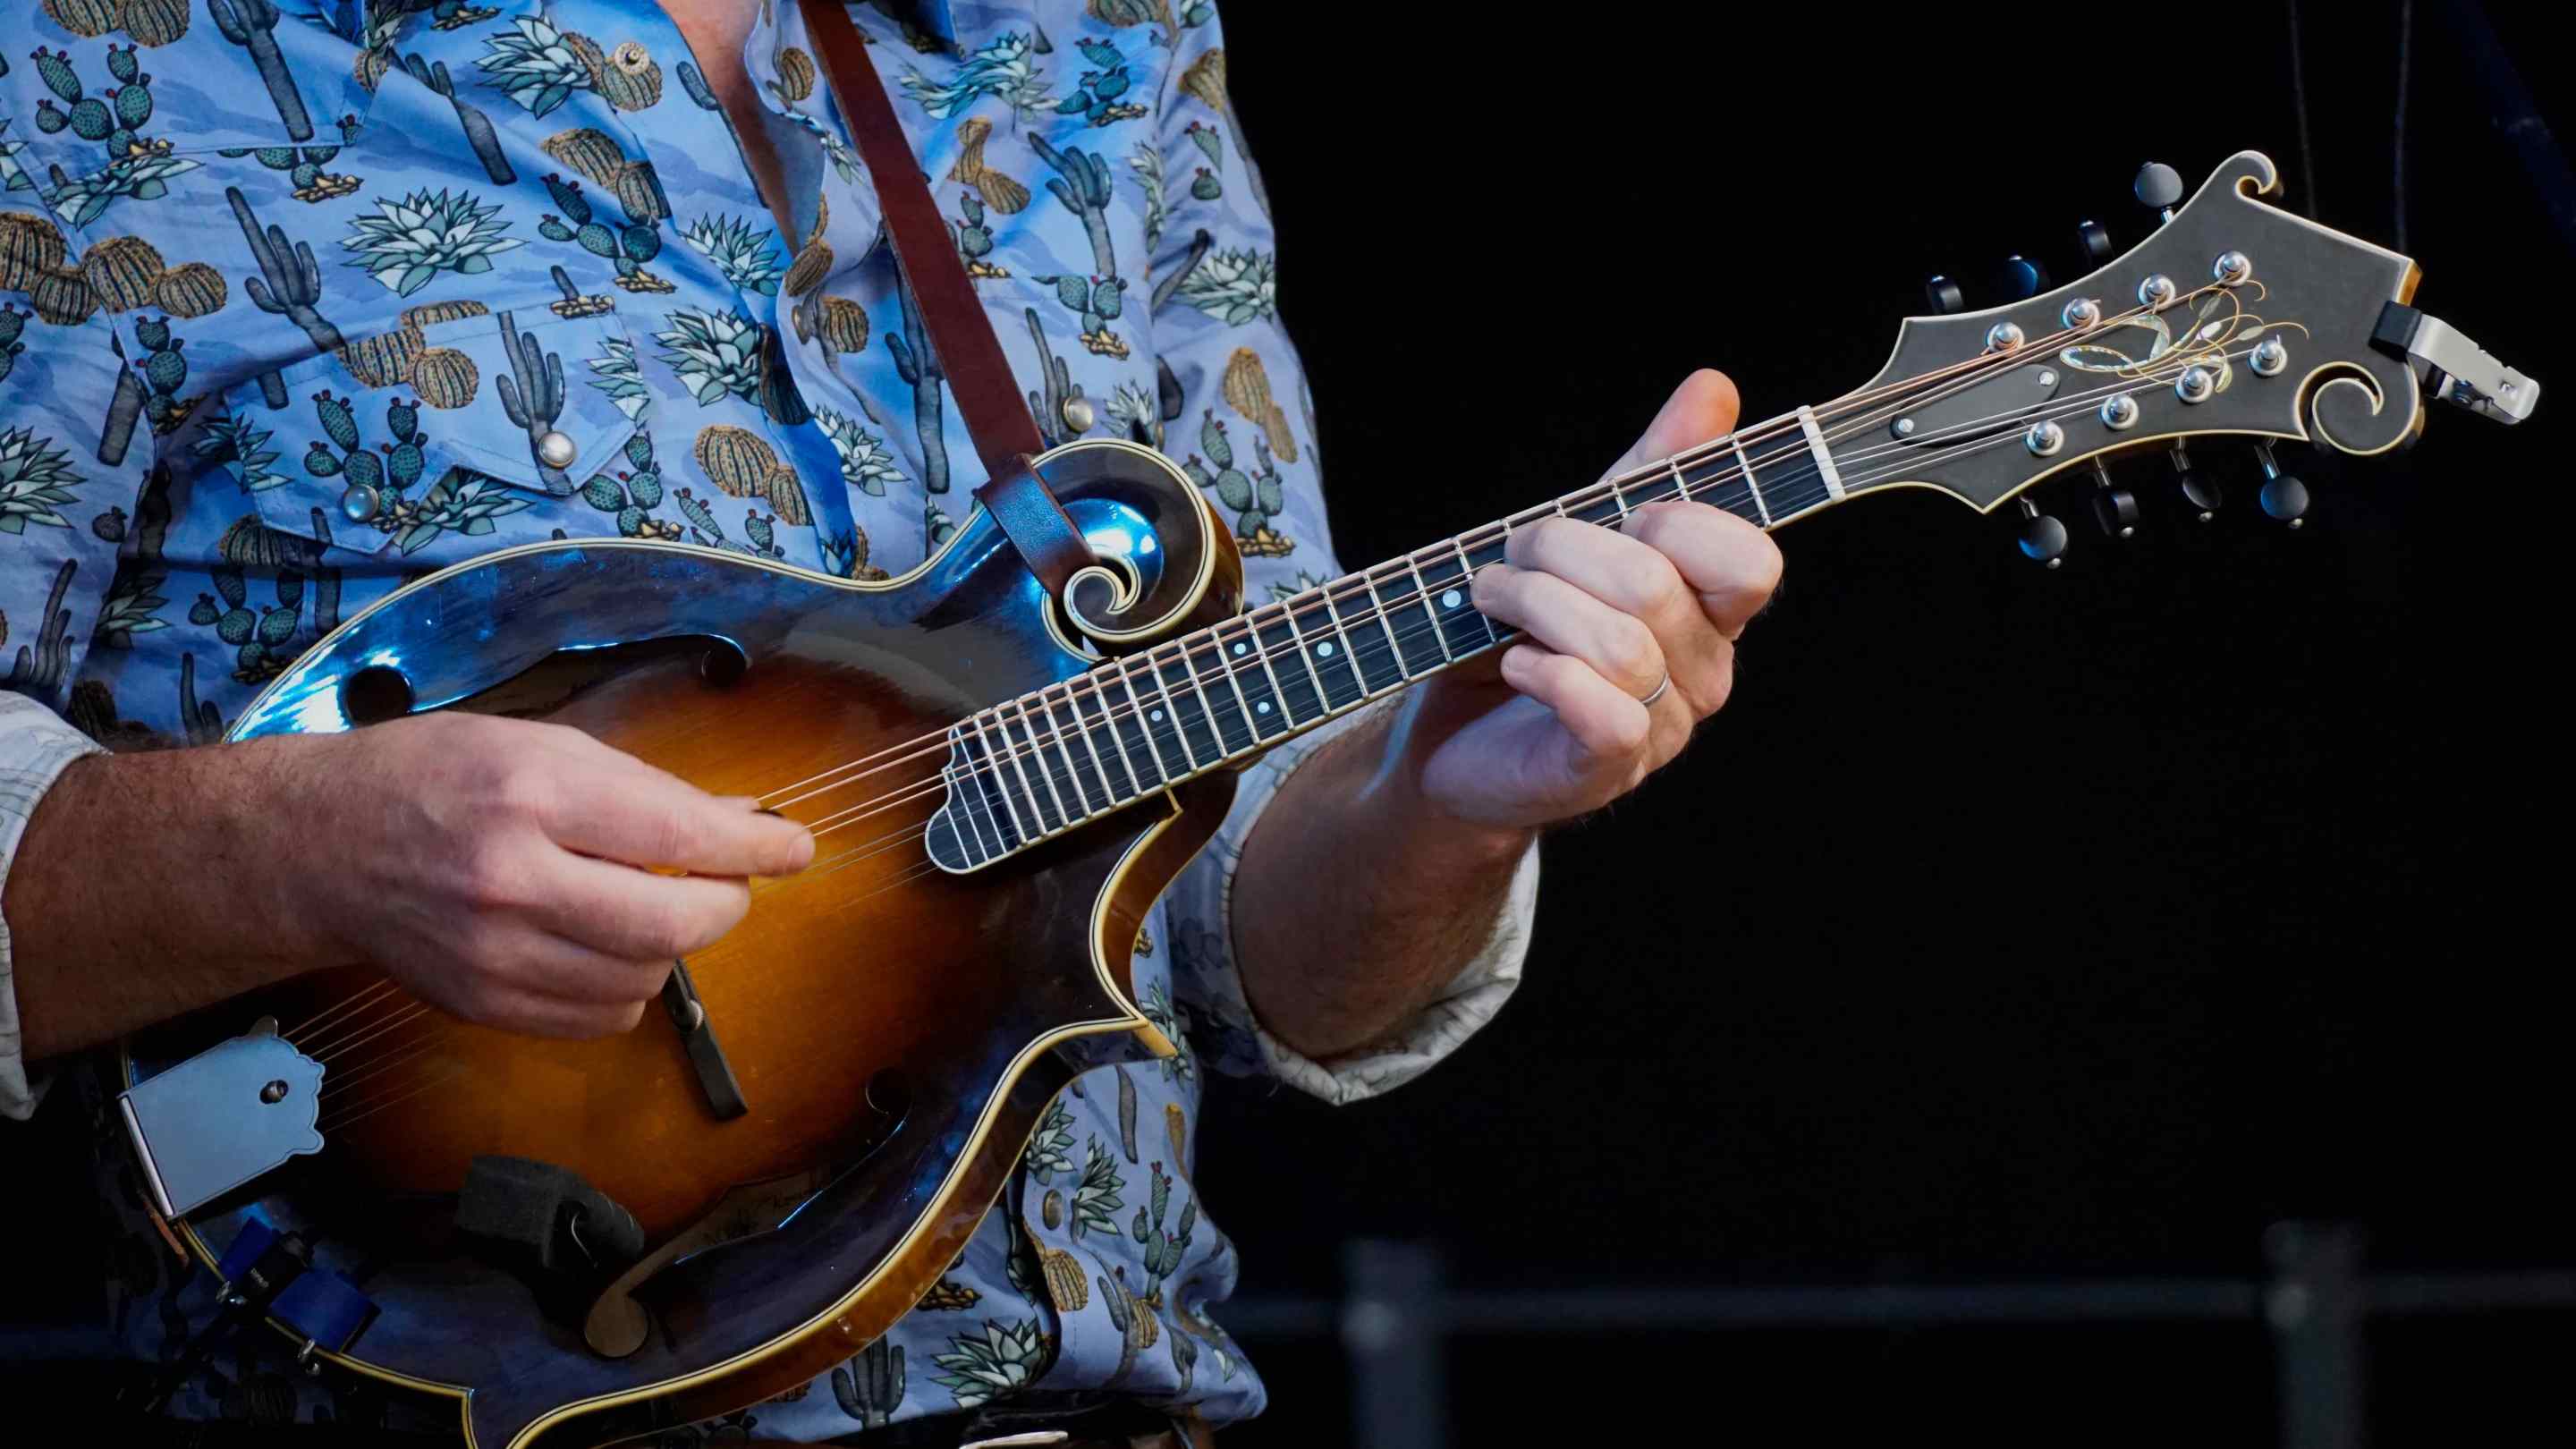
[979, 376]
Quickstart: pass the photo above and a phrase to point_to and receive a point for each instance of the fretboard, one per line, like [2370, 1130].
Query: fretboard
[1037, 766]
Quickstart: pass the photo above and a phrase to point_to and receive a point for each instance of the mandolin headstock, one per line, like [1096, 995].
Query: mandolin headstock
[2235, 318]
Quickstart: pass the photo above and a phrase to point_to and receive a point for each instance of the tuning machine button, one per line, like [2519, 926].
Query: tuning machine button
[2200, 492]
[1944, 295]
[2159, 188]
[2043, 539]
[2114, 507]
[2094, 240]
[2284, 496]
[2024, 277]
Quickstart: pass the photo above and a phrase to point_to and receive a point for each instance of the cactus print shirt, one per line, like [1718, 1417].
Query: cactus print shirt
[302, 299]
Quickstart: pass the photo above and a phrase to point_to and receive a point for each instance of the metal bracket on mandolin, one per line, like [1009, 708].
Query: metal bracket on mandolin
[236, 1110]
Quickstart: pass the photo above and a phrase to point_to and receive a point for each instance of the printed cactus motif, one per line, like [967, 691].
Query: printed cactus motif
[1099, 90]
[87, 19]
[1133, 1318]
[1146, 160]
[918, 366]
[1126, 1113]
[1247, 390]
[1050, 1148]
[1256, 497]
[13, 323]
[259, 638]
[843, 326]
[1162, 1250]
[241, 445]
[30, 245]
[34, 477]
[154, 22]
[135, 165]
[1234, 287]
[1136, 416]
[39, 667]
[1082, 183]
[538, 66]
[631, 494]
[949, 1296]
[165, 371]
[795, 79]
[1004, 68]
[715, 353]
[866, 464]
[747, 256]
[1181, 1065]
[632, 80]
[627, 248]
[699, 91]
[341, 453]
[122, 271]
[384, 359]
[189, 290]
[996, 190]
[870, 1386]
[303, 167]
[742, 465]
[404, 244]
[454, 309]
[975, 240]
[251, 24]
[1048, 406]
[1000, 1362]
[289, 283]
[463, 502]
[620, 377]
[1096, 1197]
[533, 396]
[813, 263]
[445, 377]
[478, 126]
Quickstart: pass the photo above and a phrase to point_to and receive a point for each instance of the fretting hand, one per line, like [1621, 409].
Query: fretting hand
[1580, 710]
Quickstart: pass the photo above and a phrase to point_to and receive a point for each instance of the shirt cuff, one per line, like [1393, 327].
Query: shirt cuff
[35, 746]
[1208, 977]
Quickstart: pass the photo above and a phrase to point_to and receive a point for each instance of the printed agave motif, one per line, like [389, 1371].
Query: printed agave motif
[620, 377]
[407, 242]
[748, 258]
[714, 353]
[1147, 162]
[865, 463]
[1005, 69]
[1051, 1146]
[536, 65]
[1158, 1009]
[463, 502]
[1233, 286]
[241, 445]
[1096, 1196]
[143, 177]
[998, 1362]
[1135, 413]
[13, 177]
[34, 476]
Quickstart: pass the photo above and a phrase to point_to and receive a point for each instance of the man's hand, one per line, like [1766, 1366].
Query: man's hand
[1411, 822]
[1560, 728]
[501, 869]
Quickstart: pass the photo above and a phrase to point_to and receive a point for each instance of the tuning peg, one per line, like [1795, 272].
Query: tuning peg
[2200, 492]
[2024, 277]
[2284, 496]
[1944, 295]
[2114, 507]
[2159, 188]
[2095, 241]
[2042, 538]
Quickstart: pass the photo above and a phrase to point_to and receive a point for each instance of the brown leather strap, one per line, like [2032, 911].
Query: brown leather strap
[979, 376]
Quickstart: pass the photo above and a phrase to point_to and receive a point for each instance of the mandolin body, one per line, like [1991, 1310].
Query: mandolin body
[895, 1029]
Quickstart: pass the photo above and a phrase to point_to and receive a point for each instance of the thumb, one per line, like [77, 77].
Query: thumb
[1703, 407]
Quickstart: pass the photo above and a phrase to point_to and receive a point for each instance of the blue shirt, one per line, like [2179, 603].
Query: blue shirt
[306, 306]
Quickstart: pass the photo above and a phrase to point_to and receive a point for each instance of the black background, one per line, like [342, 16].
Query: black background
[2007, 923]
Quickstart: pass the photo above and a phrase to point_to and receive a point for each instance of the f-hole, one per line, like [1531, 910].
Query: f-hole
[375, 694]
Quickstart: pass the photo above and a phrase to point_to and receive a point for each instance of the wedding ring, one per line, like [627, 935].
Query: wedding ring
[1650, 699]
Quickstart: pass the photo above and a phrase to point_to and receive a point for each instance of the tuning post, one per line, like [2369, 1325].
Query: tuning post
[2119, 412]
[2197, 384]
[2044, 438]
[2200, 492]
[2157, 290]
[2003, 337]
[2159, 188]
[2081, 313]
[2233, 268]
[2269, 356]
[2114, 507]
[2043, 539]
[2284, 496]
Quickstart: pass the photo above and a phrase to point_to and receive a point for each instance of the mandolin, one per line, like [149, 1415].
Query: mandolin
[1000, 781]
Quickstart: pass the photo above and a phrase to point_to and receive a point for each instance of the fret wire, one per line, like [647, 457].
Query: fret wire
[1617, 500]
[1760, 505]
[1037, 752]
[1467, 584]
[1350, 655]
[1218, 639]
[1180, 730]
[1679, 482]
[1073, 767]
[1109, 721]
[1207, 706]
[1013, 806]
[1422, 593]
[1305, 655]
[961, 803]
[1261, 652]
[1144, 726]
[1368, 581]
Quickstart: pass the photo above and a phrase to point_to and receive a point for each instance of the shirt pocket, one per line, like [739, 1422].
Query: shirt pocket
[462, 431]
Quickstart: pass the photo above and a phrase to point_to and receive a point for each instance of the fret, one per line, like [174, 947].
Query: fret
[1269, 706]
[1467, 630]
[1302, 693]
[1824, 456]
[1327, 649]
[1494, 552]
[1607, 512]
[1419, 643]
[1681, 485]
[1001, 774]
[1189, 720]
[1736, 440]
[1242, 722]
[965, 795]
[1617, 499]
[1096, 723]
[1066, 720]
[1422, 591]
[1374, 655]
[1068, 784]
[1031, 759]
[1131, 723]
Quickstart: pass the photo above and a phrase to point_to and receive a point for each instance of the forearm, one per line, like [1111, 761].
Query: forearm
[1355, 902]
[147, 885]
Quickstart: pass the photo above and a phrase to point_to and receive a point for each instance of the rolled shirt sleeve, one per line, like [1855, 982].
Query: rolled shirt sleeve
[35, 746]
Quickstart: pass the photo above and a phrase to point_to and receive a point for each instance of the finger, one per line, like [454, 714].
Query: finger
[1568, 621]
[1624, 572]
[1705, 406]
[1731, 566]
[644, 817]
[532, 1013]
[1611, 729]
[637, 915]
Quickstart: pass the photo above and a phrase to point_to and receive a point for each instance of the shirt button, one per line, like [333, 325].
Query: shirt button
[555, 450]
[359, 502]
[1077, 414]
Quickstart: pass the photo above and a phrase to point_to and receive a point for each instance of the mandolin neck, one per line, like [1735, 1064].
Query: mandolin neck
[1033, 767]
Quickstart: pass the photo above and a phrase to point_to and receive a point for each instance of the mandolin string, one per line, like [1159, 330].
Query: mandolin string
[1186, 650]
[1037, 738]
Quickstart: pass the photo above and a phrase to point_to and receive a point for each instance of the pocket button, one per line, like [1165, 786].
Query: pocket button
[556, 450]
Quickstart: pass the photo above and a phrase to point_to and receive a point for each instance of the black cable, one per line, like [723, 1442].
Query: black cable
[2299, 103]
[2405, 51]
